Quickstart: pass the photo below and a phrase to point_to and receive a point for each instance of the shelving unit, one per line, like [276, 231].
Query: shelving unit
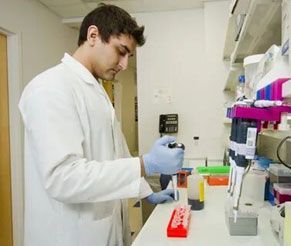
[237, 7]
[261, 29]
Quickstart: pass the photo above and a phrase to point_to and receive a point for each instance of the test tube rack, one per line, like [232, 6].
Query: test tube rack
[180, 220]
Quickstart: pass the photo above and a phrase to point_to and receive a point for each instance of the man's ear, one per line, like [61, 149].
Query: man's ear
[92, 35]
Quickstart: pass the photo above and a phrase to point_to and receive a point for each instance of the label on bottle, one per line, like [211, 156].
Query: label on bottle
[201, 190]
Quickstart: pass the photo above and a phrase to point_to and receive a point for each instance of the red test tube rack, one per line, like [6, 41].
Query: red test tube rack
[180, 220]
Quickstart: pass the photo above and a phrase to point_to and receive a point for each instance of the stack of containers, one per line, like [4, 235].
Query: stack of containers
[215, 175]
[280, 183]
[250, 66]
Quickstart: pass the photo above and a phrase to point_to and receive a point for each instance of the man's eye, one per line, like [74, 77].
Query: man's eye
[122, 52]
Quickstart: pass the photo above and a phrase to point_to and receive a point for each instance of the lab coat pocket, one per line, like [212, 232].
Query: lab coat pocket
[94, 232]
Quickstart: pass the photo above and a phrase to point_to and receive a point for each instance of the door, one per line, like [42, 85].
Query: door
[5, 176]
[109, 88]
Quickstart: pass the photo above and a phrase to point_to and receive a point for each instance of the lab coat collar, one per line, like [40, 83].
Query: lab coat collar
[79, 69]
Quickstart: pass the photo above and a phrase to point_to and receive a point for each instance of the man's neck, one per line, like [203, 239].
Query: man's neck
[81, 56]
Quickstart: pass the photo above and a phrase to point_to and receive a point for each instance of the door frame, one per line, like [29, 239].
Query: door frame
[15, 86]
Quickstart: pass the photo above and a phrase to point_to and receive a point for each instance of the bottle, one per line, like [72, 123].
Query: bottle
[195, 190]
[240, 89]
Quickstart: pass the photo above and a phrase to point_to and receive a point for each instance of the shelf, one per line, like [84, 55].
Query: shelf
[237, 7]
[261, 29]
[232, 78]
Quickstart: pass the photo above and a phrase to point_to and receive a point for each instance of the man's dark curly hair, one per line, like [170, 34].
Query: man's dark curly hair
[111, 21]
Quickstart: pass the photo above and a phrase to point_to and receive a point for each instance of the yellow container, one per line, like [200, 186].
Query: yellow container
[195, 190]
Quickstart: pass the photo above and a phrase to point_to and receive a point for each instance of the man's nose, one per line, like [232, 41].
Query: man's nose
[123, 63]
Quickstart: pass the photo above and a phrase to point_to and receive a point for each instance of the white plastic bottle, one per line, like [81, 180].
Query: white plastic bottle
[195, 189]
[240, 89]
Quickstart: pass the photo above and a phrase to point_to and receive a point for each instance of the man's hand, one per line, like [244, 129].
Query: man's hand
[161, 196]
[162, 159]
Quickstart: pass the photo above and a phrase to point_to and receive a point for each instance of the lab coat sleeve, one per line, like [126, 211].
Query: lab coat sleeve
[145, 188]
[54, 133]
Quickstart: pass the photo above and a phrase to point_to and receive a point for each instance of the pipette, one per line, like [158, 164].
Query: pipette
[174, 177]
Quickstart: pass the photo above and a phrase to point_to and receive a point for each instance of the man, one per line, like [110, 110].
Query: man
[77, 166]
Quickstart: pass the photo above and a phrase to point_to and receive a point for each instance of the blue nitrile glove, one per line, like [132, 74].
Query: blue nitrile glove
[161, 196]
[162, 159]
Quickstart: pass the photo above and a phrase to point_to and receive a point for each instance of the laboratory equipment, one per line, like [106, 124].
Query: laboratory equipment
[182, 177]
[240, 89]
[282, 192]
[262, 163]
[213, 170]
[175, 186]
[272, 91]
[174, 177]
[176, 145]
[247, 120]
[217, 180]
[216, 175]
[243, 138]
[178, 225]
[254, 185]
[269, 61]
[195, 191]
[250, 66]
[232, 150]
[267, 103]
[279, 174]
[245, 223]
[269, 193]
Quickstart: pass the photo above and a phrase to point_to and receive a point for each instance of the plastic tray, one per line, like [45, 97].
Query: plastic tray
[213, 170]
[217, 180]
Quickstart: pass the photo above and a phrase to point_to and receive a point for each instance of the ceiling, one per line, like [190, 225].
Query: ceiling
[73, 11]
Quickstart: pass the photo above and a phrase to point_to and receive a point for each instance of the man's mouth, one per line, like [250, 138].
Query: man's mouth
[115, 71]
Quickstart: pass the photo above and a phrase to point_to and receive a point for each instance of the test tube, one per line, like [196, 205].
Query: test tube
[175, 181]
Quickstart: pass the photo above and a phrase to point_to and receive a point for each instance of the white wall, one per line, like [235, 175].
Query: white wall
[43, 37]
[183, 58]
[36, 40]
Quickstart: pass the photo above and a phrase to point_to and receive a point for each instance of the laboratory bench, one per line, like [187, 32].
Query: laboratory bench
[207, 226]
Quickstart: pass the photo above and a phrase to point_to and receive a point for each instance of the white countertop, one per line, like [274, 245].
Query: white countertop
[207, 226]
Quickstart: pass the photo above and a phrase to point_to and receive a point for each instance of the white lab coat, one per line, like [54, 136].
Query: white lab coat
[75, 171]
